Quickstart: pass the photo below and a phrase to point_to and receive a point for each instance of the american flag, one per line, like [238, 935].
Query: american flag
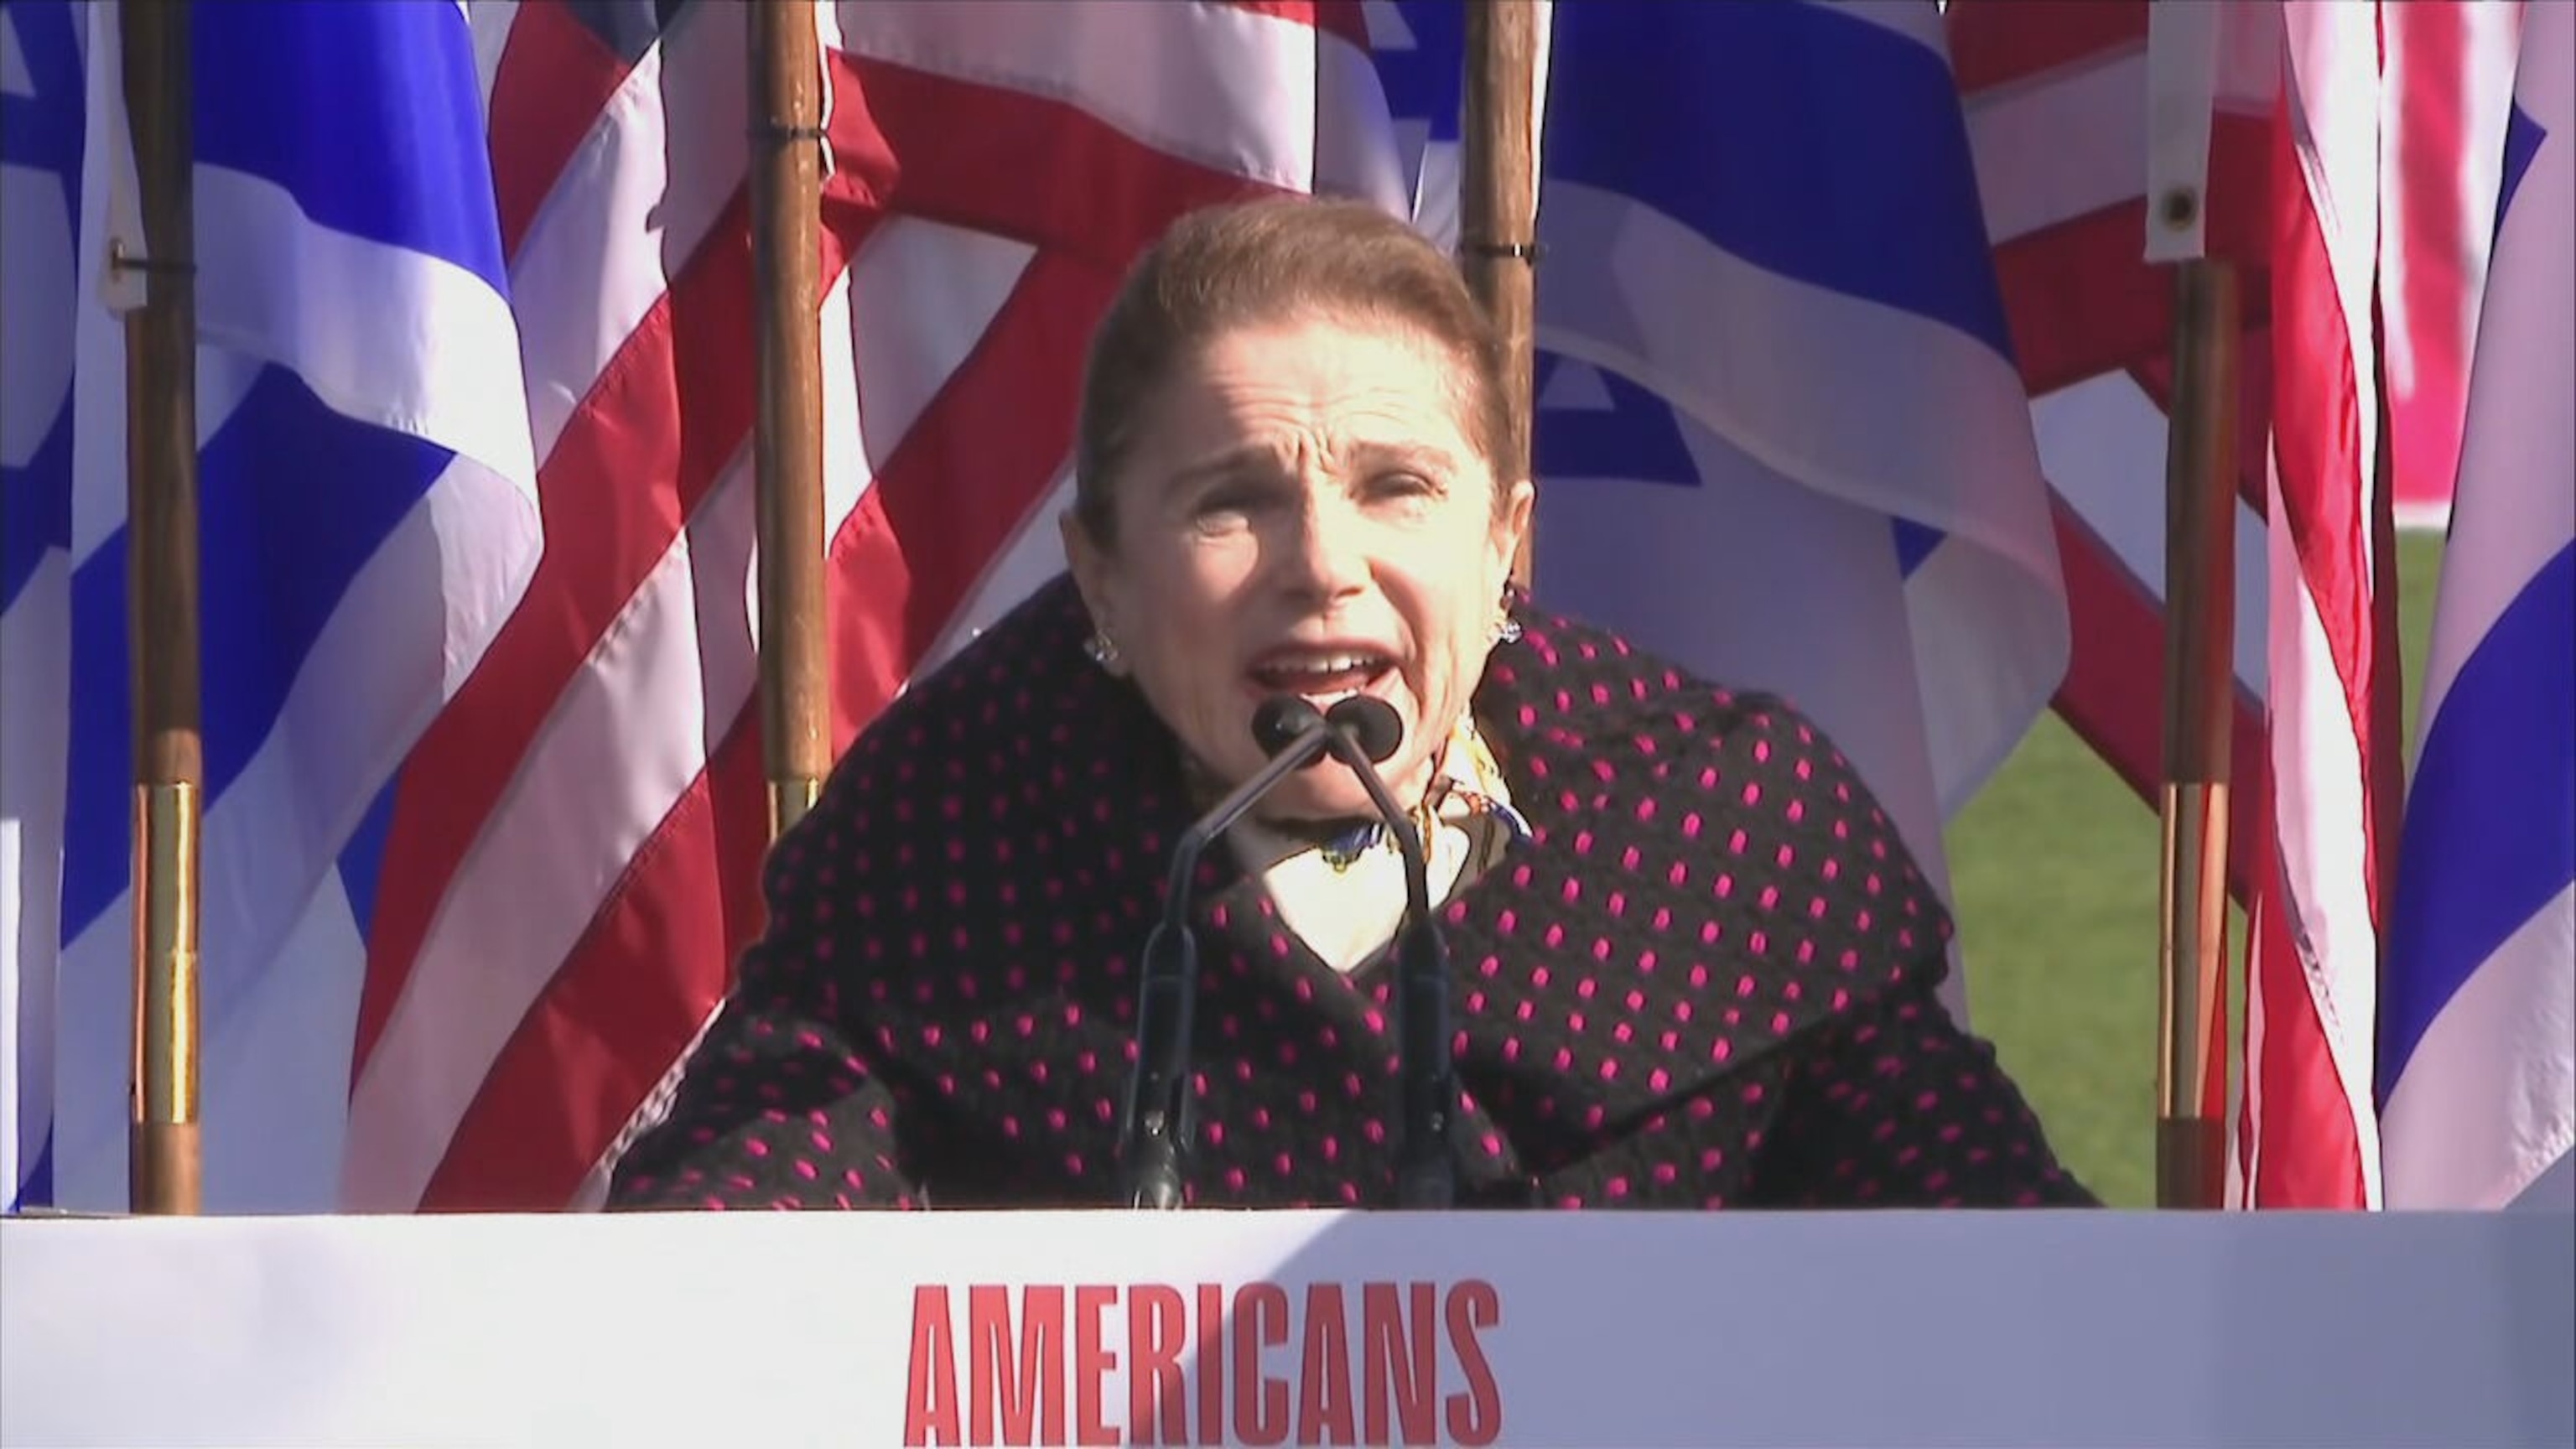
[2307, 1131]
[2299, 201]
[572, 858]
[540, 913]
[2056, 105]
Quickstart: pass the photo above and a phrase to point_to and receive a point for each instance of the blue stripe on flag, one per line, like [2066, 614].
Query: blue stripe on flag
[1914, 543]
[2492, 788]
[36, 508]
[1820, 147]
[2522, 138]
[1636, 437]
[283, 539]
[1425, 82]
[99, 773]
[43, 130]
[270, 73]
[281, 542]
[36, 1188]
[362, 859]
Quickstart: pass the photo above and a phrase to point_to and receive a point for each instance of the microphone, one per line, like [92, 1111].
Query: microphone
[1159, 1120]
[1371, 724]
[1365, 730]
[1278, 722]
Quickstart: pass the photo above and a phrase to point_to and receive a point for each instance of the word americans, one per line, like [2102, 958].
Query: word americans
[1254, 1364]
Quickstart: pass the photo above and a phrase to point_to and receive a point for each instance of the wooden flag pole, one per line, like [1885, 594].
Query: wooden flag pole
[787, 442]
[164, 1162]
[1497, 204]
[2200, 694]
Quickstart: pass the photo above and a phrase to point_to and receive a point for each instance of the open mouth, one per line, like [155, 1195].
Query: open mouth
[1319, 674]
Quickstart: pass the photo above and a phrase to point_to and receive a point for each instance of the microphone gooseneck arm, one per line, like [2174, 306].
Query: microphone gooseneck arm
[1158, 1122]
[1426, 1174]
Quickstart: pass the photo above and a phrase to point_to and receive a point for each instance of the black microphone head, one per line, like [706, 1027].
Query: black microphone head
[1371, 723]
[1280, 719]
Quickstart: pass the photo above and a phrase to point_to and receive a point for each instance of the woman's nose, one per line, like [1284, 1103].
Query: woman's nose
[1329, 554]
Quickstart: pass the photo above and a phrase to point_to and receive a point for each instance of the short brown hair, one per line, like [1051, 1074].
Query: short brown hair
[1250, 262]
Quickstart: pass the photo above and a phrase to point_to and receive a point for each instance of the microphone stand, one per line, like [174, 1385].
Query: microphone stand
[1159, 1120]
[1426, 1175]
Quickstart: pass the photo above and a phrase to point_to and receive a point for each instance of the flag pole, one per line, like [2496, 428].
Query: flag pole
[2199, 691]
[2184, 46]
[787, 441]
[164, 1163]
[1498, 204]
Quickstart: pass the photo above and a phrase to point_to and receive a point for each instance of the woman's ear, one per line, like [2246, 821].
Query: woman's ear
[1511, 523]
[1090, 570]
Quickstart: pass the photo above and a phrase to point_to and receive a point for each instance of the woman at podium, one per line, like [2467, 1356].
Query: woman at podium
[1689, 962]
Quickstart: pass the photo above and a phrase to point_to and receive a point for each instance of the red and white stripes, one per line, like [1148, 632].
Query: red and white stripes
[2307, 1131]
[2446, 90]
[2055, 97]
[573, 860]
[2350, 218]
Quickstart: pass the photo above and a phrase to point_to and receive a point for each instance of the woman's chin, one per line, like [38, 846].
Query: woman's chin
[1329, 791]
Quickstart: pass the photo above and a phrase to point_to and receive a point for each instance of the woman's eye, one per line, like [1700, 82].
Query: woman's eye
[1403, 485]
[1228, 504]
[1231, 499]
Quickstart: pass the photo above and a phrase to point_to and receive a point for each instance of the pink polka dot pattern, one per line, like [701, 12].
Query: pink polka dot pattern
[1706, 980]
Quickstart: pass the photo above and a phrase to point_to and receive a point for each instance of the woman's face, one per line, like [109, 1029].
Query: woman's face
[1303, 513]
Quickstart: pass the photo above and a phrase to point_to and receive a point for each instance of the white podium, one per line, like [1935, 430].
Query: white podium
[1586, 1329]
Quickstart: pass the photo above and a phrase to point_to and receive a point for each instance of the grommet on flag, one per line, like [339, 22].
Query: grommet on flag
[2178, 209]
[2182, 85]
[121, 260]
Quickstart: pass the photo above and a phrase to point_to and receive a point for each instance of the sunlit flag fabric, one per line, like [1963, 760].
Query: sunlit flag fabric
[2449, 83]
[2056, 98]
[2375, 182]
[2056, 110]
[1778, 428]
[1420, 50]
[2054, 101]
[2307, 1133]
[2477, 1041]
[573, 858]
[367, 515]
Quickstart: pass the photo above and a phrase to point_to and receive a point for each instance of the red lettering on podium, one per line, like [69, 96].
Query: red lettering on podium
[1092, 1363]
[1031, 1377]
[930, 1381]
[1402, 1350]
[1475, 1416]
[1260, 1401]
[1157, 1404]
[1324, 1380]
[1025, 1387]
[1211, 1363]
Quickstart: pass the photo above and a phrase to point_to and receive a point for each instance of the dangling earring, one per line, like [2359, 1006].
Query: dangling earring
[1103, 651]
[1507, 630]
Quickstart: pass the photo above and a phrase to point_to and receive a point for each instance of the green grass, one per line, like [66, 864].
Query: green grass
[2054, 868]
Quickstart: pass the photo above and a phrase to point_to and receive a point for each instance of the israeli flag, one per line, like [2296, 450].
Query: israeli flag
[1779, 433]
[2477, 1055]
[368, 518]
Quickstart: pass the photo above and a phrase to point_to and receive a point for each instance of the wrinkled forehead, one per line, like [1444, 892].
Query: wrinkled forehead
[1314, 390]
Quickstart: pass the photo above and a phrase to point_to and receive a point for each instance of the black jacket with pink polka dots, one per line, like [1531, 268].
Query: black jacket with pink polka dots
[1705, 980]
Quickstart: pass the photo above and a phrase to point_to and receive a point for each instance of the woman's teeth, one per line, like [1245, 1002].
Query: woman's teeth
[1321, 674]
